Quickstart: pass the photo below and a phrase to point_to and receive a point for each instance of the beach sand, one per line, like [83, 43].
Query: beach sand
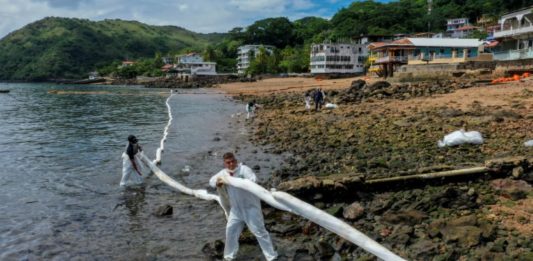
[286, 85]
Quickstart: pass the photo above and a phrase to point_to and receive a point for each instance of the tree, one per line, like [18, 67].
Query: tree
[259, 63]
[209, 54]
[306, 28]
[271, 31]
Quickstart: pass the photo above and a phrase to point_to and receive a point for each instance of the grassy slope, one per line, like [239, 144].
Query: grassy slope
[70, 48]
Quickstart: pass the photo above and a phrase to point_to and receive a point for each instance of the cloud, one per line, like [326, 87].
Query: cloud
[302, 4]
[258, 5]
[67, 4]
[196, 15]
[183, 7]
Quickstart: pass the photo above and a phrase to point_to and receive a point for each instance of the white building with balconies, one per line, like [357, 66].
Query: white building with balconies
[338, 58]
[515, 36]
[193, 64]
[246, 53]
[453, 25]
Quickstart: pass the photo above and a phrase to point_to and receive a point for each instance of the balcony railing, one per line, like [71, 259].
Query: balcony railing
[390, 59]
[513, 31]
[514, 55]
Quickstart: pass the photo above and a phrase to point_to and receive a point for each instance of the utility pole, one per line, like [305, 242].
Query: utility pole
[430, 5]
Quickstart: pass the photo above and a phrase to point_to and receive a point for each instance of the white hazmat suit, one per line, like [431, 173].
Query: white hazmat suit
[245, 208]
[129, 174]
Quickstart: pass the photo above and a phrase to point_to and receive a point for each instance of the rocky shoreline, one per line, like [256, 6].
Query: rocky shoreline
[381, 130]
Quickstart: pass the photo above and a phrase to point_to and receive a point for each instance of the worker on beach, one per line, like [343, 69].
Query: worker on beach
[250, 109]
[131, 163]
[319, 97]
[245, 208]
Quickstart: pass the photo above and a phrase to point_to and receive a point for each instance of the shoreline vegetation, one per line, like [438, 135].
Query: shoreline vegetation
[381, 130]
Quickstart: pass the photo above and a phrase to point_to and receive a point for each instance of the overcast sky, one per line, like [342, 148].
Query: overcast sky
[203, 16]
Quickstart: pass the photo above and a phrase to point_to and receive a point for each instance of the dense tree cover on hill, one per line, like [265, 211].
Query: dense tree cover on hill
[408, 16]
[70, 48]
[362, 18]
[57, 48]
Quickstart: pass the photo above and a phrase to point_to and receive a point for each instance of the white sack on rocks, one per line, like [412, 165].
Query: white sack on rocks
[461, 137]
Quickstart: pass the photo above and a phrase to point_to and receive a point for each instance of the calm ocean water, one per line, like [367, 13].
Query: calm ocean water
[60, 156]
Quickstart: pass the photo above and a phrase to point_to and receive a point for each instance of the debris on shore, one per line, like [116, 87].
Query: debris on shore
[388, 132]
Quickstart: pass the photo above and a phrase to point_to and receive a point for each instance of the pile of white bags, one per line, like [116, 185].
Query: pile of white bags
[461, 137]
[330, 106]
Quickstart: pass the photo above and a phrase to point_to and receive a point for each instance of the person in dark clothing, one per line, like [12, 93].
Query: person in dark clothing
[131, 163]
[318, 97]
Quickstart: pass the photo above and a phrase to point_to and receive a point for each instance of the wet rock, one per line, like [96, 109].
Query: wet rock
[445, 197]
[163, 211]
[377, 207]
[324, 249]
[470, 220]
[335, 210]
[401, 235]
[514, 189]
[379, 85]
[303, 255]
[466, 236]
[309, 228]
[424, 249]
[518, 172]
[285, 229]
[488, 231]
[357, 85]
[499, 245]
[214, 251]
[408, 217]
[353, 211]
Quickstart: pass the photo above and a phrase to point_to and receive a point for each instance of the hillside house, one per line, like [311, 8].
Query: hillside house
[392, 55]
[515, 36]
[453, 25]
[193, 64]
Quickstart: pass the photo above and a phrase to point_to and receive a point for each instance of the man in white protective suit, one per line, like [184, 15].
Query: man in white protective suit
[245, 208]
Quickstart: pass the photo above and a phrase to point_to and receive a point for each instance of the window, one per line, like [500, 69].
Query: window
[530, 44]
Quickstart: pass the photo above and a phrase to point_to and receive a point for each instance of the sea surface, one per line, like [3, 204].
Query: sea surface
[60, 167]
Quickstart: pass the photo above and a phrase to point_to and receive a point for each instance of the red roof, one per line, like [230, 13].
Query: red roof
[376, 45]
[466, 28]
[492, 44]
[403, 43]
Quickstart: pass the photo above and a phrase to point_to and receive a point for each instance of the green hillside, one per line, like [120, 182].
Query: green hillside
[59, 48]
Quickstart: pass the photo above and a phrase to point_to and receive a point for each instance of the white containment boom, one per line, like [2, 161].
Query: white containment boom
[279, 200]
[199, 193]
[334, 225]
[286, 202]
[255, 189]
